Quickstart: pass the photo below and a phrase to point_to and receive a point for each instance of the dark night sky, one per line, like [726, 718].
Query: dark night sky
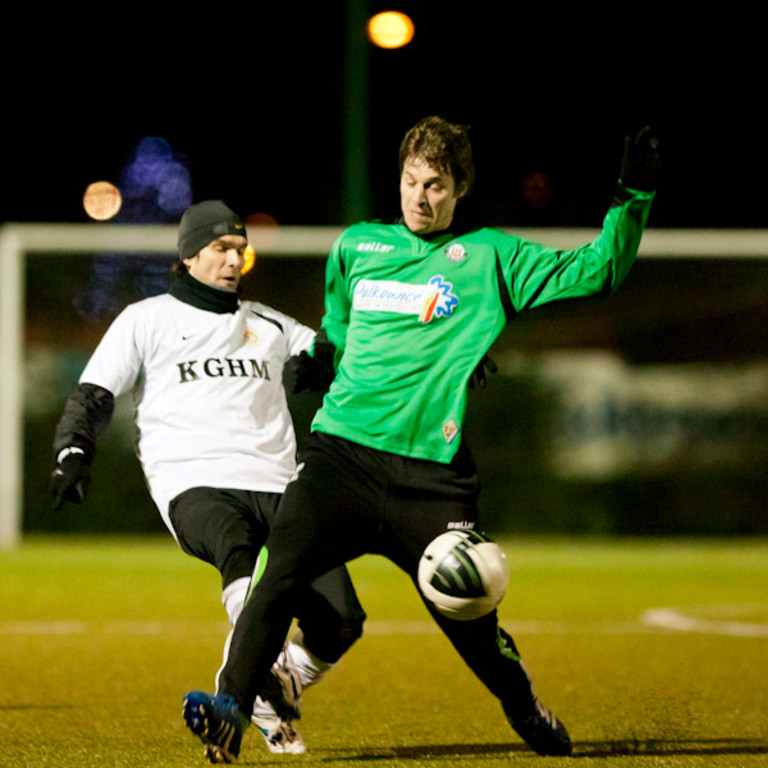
[255, 103]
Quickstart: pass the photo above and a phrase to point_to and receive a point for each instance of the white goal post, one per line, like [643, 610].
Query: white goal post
[18, 240]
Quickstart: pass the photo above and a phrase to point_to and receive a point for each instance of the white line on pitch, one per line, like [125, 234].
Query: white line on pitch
[673, 618]
[372, 627]
[654, 620]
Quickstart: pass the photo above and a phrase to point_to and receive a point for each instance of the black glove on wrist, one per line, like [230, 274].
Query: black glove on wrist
[69, 481]
[303, 372]
[641, 164]
[478, 375]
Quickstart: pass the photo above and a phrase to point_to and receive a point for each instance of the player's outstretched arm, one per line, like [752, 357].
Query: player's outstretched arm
[536, 275]
[86, 415]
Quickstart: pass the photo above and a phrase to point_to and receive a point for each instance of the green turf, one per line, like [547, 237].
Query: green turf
[100, 639]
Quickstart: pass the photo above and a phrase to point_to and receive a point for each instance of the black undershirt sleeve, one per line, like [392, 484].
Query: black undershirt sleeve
[86, 415]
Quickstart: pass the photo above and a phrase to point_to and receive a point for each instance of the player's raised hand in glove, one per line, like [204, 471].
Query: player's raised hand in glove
[69, 481]
[641, 164]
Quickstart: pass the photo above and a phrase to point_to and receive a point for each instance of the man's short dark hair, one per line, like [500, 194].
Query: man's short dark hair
[443, 145]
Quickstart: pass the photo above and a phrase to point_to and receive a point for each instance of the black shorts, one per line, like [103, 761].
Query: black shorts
[224, 527]
[350, 500]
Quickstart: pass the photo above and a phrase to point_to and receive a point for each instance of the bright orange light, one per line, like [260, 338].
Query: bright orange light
[102, 200]
[390, 29]
[262, 233]
[249, 261]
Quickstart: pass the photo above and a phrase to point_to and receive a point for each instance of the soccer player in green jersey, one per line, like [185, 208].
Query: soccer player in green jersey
[410, 310]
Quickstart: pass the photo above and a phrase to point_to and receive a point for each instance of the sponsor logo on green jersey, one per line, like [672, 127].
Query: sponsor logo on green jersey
[433, 300]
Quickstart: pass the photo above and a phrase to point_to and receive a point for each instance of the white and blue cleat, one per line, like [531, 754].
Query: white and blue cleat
[280, 736]
[276, 709]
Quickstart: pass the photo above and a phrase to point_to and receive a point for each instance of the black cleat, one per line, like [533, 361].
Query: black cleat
[542, 731]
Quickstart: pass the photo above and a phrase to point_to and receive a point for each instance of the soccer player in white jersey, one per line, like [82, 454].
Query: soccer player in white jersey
[216, 440]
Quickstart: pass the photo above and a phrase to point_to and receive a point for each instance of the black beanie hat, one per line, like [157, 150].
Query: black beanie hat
[205, 222]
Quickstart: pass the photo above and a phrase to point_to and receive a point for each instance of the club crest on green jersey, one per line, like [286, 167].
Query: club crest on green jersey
[434, 300]
[456, 253]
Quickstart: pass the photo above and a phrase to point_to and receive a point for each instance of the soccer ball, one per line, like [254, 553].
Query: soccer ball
[463, 574]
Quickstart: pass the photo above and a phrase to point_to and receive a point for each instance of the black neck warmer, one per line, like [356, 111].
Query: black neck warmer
[185, 288]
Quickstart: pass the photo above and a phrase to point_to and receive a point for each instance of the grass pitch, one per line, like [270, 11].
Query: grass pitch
[654, 653]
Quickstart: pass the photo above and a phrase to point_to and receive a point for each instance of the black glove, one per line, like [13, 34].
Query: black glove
[478, 375]
[69, 481]
[303, 372]
[641, 164]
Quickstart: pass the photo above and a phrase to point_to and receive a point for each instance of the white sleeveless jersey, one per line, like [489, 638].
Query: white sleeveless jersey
[208, 392]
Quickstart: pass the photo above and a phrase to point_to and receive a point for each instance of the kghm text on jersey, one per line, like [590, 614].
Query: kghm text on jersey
[214, 367]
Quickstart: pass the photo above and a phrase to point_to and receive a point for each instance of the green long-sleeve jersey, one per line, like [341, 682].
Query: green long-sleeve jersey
[411, 317]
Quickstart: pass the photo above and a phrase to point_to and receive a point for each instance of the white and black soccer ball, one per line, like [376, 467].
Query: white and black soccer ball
[463, 574]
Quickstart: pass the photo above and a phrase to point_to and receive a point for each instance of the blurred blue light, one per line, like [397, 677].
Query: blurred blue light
[174, 191]
[156, 186]
[156, 183]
